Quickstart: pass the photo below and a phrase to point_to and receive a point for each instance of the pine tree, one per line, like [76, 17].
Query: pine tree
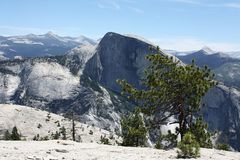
[36, 138]
[167, 141]
[223, 146]
[104, 140]
[56, 135]
[15, 135]
[63, 132]
[189, 147]
[133, 130]
[170, 89]
[71, 116]
[7, 135]
[199, 130]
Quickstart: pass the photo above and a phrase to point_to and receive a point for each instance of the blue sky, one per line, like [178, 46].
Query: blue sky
[173, 24]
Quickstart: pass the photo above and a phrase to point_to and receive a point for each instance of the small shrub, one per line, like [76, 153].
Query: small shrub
[118, 143]
[158, 145]
[15, 135]
[44, 138]
[202, 135]
[48, 116]
[63, 132]
[223, 146]
[104, 140]
[189, 147]
[56, 135]
[7, 135]
[36, 138]
[91, 132]
[39, 126]
[79, 139]
[111, 136]
[167, 141]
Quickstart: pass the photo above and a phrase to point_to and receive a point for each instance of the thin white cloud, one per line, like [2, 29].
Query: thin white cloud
[190, 44]
[129, 1]
[137, 10]
[100, 5]
[115, 5]
[118, 4]
[109, 4]
[187, 1]
[208, 4]
[232, 5]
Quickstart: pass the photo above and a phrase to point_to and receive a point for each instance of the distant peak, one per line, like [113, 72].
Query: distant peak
[110, 34]
[207, 50]
[30, 35]
[139, 38]
[50, 33]
[221, 54]
[132, 36]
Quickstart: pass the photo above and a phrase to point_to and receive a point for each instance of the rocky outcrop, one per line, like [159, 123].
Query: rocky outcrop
[56, 84]
[222, 113]
[118, 57]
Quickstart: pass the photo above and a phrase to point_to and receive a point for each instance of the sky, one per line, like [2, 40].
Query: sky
[182, 25]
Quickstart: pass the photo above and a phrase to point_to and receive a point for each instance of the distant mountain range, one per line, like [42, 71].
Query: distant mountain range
[206, 50]
[84, 79]
[49, 44]
[225, 67]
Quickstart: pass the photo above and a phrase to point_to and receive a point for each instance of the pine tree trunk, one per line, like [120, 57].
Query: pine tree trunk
[181, 119]
[73, 128]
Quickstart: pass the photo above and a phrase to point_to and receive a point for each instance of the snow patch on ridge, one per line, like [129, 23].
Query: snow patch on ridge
[24, 41]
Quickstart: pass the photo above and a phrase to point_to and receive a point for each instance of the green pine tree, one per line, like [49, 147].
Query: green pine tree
[223, 146]
[199, 130]
[104, 140]
[56, 135]
[170, 89]
[188, 147]
[15, 135]
[167, 141]
[63, 132]
[133, 129]
[7, 135]
[71, 115]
